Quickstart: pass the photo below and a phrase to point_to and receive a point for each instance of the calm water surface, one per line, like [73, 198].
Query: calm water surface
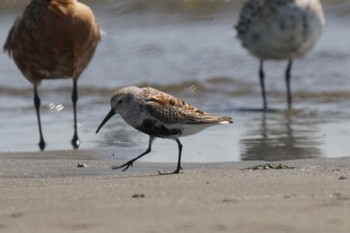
[188, 48]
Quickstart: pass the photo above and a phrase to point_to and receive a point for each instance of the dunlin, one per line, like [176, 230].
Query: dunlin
[53, 39]
[281, 30]
[161, 115]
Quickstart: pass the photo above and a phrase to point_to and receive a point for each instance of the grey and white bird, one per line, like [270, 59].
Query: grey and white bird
[279, 30]
[159, 115]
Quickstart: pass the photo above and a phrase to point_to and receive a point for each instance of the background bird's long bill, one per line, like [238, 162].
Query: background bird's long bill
[109, 115]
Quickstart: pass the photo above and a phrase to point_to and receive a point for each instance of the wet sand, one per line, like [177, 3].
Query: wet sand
[47, 192]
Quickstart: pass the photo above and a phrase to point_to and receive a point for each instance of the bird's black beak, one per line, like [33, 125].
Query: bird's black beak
[109, 115]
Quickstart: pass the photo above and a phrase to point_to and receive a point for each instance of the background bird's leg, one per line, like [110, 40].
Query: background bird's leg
[37, 108]
[288, 76]
[130, 162]
[262, 84]
[75, 141]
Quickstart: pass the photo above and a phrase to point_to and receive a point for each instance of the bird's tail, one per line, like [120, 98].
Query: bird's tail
[217, 119]
[226, 120]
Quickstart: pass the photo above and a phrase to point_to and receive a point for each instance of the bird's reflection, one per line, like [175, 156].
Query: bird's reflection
[123, 137]
[281, 137]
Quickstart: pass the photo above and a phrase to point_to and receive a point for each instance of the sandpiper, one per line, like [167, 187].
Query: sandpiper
[53, 39]
[279, 29]
[161, 115]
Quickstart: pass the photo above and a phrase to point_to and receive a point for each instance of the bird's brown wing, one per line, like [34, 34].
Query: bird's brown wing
[8, 46]
[172, 110]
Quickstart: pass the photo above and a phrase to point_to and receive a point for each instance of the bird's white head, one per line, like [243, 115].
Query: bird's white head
[123, 98]
[121, 101]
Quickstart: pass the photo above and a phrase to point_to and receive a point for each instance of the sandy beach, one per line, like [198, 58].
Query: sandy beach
[48, 192]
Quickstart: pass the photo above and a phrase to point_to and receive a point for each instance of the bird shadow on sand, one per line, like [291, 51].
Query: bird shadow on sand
[147, 173]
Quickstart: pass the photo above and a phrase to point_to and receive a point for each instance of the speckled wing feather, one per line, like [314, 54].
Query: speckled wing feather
[250, 10]
[172, 110]
[253, 10]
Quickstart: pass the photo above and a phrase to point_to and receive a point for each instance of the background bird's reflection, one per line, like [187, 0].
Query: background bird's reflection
[281, 137]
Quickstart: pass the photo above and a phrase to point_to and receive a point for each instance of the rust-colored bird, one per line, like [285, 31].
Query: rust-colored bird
[53, 39]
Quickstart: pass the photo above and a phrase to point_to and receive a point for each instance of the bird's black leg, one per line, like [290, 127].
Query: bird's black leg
[75, 141]
[288, 76]
[262, 84]
[131, 162]
[42, 143]
[178, 168]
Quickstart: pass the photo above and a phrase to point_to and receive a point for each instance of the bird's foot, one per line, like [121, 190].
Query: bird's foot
[75, 142]
[42, 144]
[125, 166]
[177, 171]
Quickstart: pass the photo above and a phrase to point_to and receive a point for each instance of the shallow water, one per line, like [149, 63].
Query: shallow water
[188, 49]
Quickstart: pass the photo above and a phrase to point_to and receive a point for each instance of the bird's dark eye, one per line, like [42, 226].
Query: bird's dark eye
[120, 101]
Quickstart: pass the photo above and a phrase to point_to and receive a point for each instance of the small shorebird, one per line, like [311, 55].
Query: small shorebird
[53, 39]
[159, 115]
[279, 29]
